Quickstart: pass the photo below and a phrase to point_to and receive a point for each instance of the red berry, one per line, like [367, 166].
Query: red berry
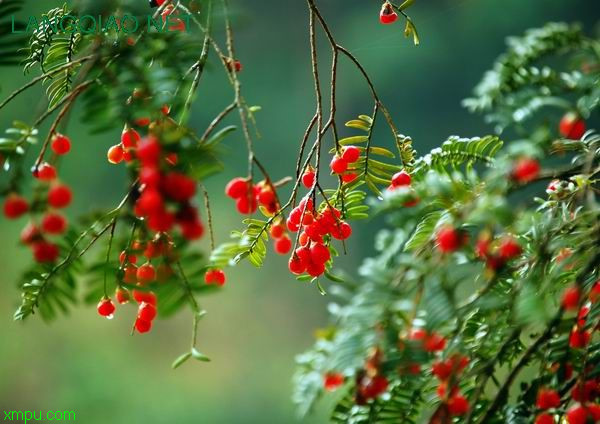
[547, 398]
[571, 126]
[45, 172]
[146, 273]
[216, 276]
[448, 239]
[315, 269]
[526, 170]
[237, 188]
[144, 296]
[417, 334]
[319, 253]
[115, 154]
[434, 342]
[60, 144]
[172, 159]
[150, 176]
[509, 248]
[579, 338]
[570, 298]
[376, 386]
[124, 257]
[130, 138]
[192, 230]
[401, 178]
[59, 196]
[595, 292]
[387, 14]
[54, 223]
[277, 230]
[283, 245]
[29, 233]
[442, 370]
[458, 405]
[296, 265]
[179, 187]
[161, 222]
[142, 326]
[586, 391]
[149, 151]
[122, 295]
[246, 206]
[351, 154]
[130, 274]
[338, 165]
[128, 155]
[544, 419]
[234, 65]
[15, 206]
[142, 122]
[146, 312]
[266, 196]
[332, 380]
[150, 202]
[349, 177]
[44, 251]
[106, 308]
[341, 230]
[308, 178]
[577, 415]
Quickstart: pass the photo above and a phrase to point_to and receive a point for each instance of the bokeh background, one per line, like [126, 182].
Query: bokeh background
[264, 317]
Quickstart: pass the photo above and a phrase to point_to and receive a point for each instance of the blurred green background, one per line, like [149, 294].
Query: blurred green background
[263, 318]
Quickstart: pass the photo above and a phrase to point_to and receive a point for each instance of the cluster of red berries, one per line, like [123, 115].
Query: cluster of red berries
[58, 195]
[312, 253]
[572, 301]
[497, 253]
[447, 371]
[401, 182]
[387, 15]
[430, 341]
[282, 242]
[370, 382]
[340, 165]
[248, 196]
[583, 412]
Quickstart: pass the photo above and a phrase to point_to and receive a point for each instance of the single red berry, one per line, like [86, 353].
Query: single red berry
[234, 65]
[442, 370]
[146, 311]
[106, 308]
[526, 170]
[142, 326]
[54, 223]
[277, 230]
[165, 110]
[544, 419]
[417, 334]
[547, 399]
[192, 230]
[215, 276]
[375, 387]
[296, 265]
[333, 380]
[246, 206]
[351, 154]
[61, 144]
[237, 188]
[401, 178]
[387, 14]
[124, 257]
[128, 155]
[59, 196]
[594, 411]
[349, 177]
[130, 138]
[153, 249]
[122, 295]
[509, 248]
[579, 338]
[577, 415]
[448, 239]
[570, 298]
[161, 222]
[308, 178]
[458, 405]
[434, 342]
[283, 245]
[45, 172]
[150, 176]
[115, 154]
[146, 273]
[571, 126]
[45, 252]
[338, 165]
[150, 202]
[144, 296]
[178, 186]
[142, 122]
[30, 233]
[266, 196]
[130, 274]
[172, 159]
[341, 230]
[149, 151]
[315, 269]
[319, 253]
[15, 206]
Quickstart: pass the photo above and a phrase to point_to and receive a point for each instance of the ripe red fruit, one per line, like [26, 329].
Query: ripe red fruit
[142, 326]
[146, 273]
[122, 296]
[458, 405]
[130, 138]
[178, 186]
[172, 159]
[341, 230]
[417, 334]
[237, 188]
[577, 415]
[283, 245]
[160, 222]
[277, 230]
[115, 154]
[579, 338]
[442, 370]
[45, 172]
[544, 419]
[54, 223]
[387, 14]
[315, 269]
[146, 312]
[571, 126]
[547, 398]
[266, 196]
[338, 165]
[234, 65]
[144, 296]
[332, 380]
[106, 308]
[319, 253]
[351, 154]
[375, 387]
[149, 151]
[595, 292]
[150, 176]
[130, 274]
[192, 230]
[59, 196]
[308, 178]
[401, 178]
[434, 342]
[348, 178]
[448, 239]
[150, 202]
[60, 144]
[296, 265]
[509, 248]
[570, 298]
[526, 170]
[15, 206]
[45, 252]
[586, 391]
[215, 276]
[246, 205]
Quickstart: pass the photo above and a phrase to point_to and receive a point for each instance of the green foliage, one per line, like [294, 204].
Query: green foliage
[10, 43]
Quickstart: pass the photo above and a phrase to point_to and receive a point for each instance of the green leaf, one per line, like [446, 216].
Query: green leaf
[181, 359]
